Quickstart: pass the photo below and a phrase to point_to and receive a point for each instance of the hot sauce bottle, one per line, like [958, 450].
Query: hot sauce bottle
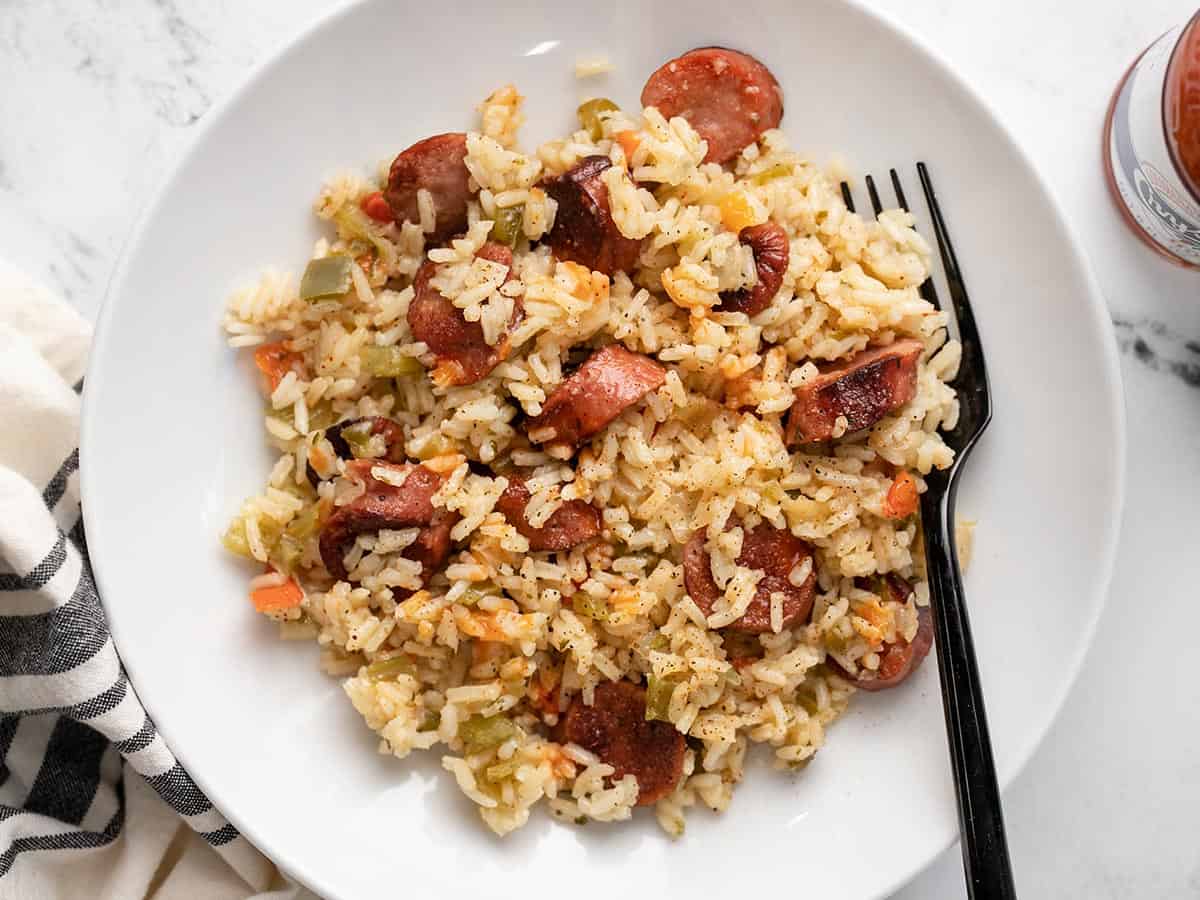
[1152, 145]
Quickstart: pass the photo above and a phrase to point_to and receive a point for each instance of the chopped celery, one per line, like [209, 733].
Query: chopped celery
[658, 696]
[432, 720]
[326, 278]
[358, 438]
[500, 771]
[389, 362]
[387, 669]
[660, 642]
[289, 553]
[589, 113]
[506, 229]
[779, 170]
[480, 733]
[590, 607]
[882, 588]
[302, 491]
[321, 417]
[474, 595]
[234, 539]
[305, 524]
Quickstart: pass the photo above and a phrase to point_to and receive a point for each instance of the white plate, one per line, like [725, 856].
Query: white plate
[172, 443]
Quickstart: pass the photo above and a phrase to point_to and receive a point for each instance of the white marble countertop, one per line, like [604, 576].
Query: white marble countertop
[97, 97]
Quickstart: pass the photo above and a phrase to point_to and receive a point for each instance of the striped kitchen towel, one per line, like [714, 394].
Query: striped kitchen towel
[77, 749]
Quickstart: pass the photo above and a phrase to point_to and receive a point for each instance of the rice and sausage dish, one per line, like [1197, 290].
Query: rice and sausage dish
[599, 464]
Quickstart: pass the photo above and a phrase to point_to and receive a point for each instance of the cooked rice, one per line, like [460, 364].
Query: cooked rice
[499, 630]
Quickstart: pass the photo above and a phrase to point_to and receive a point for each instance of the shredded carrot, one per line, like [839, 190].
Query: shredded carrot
[482, 626]
[629, 142]
[275, 361]
[902, 498]
[736, 212]
[561, 765]
[376, 207]
[277, 597]
[543, 692]
[366, 262]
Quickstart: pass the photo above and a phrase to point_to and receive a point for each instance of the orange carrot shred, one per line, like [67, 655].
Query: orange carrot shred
[629, 142]
[277, 597]
[902, 498]
[275, 361]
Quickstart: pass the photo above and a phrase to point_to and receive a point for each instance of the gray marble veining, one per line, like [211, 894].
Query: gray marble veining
[1160, 348]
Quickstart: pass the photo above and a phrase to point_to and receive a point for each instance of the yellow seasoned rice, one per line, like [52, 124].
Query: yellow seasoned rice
[413, 656]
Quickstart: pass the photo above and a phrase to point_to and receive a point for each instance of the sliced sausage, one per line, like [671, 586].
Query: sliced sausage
[900, 659]
[584, 230]
[463, 355]
[770, 245]
[385, 505]
[730, 98]
[574, 522]
[435, 164]
[774, 550]
[614, 727]
[863, 389]
[612, 380]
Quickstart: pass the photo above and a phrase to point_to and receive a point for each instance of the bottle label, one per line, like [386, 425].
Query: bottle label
[1145, 175]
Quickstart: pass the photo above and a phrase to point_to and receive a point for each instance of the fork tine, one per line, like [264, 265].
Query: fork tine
[968, 332]
[847, 197]
[875, 204]
[899, 189]
[927, 289]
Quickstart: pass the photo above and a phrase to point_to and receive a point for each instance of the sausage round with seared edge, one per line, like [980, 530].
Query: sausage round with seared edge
[584, 230]
[384, 505]
[771, 251]
[612, 380]
[574, 522]
[730, 98]
[437, 165]
[614, 727]
[900, 659]
[864, 389]
[774, 550]
[463, 355]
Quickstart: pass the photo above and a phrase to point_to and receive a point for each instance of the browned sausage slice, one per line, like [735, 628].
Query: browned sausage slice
[574, 522]
[463, 355]
[384, 505]
[584, 230]
[435, 164]
[614, 727]
[863, 389]
[730, 98]
[612, 380]
[775, 551]
[771, 251]
[898, 660]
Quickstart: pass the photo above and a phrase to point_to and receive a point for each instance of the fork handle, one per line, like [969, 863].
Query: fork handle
[980, 819]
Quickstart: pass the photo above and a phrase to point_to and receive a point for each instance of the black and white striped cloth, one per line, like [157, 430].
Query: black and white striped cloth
[72, 730]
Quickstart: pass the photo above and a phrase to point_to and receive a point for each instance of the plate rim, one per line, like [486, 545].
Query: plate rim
[1111, 379]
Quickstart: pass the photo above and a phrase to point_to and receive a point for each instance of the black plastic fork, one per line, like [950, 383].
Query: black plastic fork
[980, 818]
